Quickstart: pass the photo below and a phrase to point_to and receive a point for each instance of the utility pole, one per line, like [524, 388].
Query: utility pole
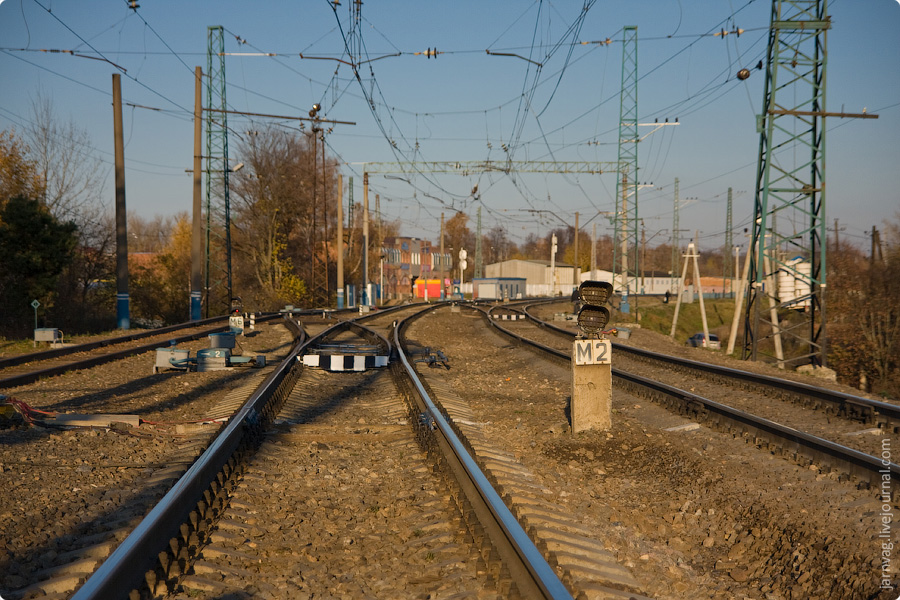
[123, 318]
[479, 259]
[643, 252]
[442, 257]
[575, 262]
[378, 219]
[350, 211]
[339, 241]
[593, 249]
[197, 223]
[676, 241]
[553, 265]
[726, 251]
[380, 244]
[876, 254]
[623, 240]
[325, 179]
[365, 248]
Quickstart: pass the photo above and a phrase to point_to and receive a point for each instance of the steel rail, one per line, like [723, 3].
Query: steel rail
[31, 377]
[843, 403]
[528, 569]
[13, 361]
[140, 551]
[866, 467]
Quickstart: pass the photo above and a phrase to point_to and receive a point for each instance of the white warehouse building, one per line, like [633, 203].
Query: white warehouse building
[540, 278]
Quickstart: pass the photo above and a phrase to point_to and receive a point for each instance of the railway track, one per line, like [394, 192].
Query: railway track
[863, 463]
[28, 368]
[73, 493]
[310, 421]
[319, 469]
[883, 415]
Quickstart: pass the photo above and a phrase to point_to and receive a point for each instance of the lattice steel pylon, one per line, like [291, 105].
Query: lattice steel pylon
[626, 227]
[218, 206]
[790, 182]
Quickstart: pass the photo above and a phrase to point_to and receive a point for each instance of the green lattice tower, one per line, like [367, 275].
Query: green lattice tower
[218, 208]
[626, 229]
[790, 182]
[728, 251]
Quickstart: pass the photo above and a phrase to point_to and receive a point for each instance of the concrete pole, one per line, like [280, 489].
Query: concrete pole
[340, 241]
[593, 249]
[643, 255]
[699, 287]
[553, 265]
[690, 251]
[623, 231]
[325, 217]
[575, 268]
[365, 256]
[197, 223]
[442, 256]
[122, 299]
[739, 298]
[380, 245]
[737, 263]
[773, 311]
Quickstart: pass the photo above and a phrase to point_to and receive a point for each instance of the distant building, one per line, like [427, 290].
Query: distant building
[406, 259]
[540, 278]
[650, 283]
[499, 288]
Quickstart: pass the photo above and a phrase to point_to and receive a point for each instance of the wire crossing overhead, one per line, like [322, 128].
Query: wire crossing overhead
[486, 166]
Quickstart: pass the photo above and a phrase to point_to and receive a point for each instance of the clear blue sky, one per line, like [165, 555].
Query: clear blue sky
[465, 105]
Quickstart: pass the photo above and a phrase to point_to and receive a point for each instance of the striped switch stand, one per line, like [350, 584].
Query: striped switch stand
[344, 362]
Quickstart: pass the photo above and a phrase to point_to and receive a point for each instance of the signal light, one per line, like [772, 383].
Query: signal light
[592, 319]
[593, 316]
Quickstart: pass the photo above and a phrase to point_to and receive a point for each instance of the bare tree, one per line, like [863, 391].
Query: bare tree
[498, 245]
[90, 297]
[150, 235]
[64, 155]
[272, 209]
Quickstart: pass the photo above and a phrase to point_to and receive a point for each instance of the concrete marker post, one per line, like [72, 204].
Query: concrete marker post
[591, 406]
